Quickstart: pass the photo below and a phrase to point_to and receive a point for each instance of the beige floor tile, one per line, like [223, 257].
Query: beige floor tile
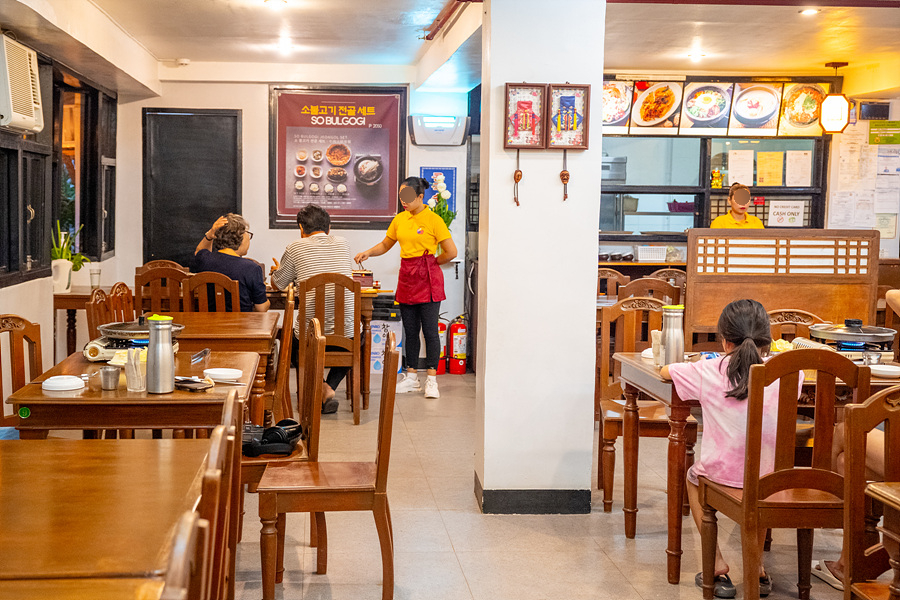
[474, 532]
[454, 493]
[410, 494]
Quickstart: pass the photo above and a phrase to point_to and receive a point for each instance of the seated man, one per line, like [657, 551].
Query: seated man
[223, 249]
[317, 252]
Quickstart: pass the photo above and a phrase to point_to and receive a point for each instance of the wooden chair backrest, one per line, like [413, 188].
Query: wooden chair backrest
[677, 276]
[794, 323]
[609, 280]
[282, 376]
[188, 567]
[787, 368]
[159, 290]
[24, 345]
[210, 290]
[121, 302]
[323, 291]
[98, 312]
[155, 264]
[386, 412]
[892, 321]
[634, 319]
[862, 562]
[313, 365]
[650, 287]
[214, 504]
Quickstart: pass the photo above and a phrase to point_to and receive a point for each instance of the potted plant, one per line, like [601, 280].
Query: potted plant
[64, 259]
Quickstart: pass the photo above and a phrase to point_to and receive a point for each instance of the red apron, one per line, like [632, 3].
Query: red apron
[420, 280]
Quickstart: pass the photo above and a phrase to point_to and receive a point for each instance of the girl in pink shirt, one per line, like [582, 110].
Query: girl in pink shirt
[721, 387]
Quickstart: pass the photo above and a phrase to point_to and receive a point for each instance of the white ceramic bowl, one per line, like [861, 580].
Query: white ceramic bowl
[223, 374]
[886, 371]
[62, 383]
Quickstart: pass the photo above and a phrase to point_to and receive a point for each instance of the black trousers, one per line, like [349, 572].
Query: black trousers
[335, 374]
[421, 317]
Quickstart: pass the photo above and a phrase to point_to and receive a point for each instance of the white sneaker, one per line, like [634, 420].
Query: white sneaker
[431, 388]
[408, 384]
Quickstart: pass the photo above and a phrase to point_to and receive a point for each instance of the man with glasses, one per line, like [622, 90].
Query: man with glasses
[737, 217]
[223, 249]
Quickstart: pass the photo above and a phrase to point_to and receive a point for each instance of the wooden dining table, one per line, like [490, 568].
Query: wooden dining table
[76, 510]
[92, 408]
[641, 375]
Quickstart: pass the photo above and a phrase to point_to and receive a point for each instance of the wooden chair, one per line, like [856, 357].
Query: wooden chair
[863, 563]
[98, 312]
[280, 391]
[892, 321]
[156, 264]
[215, 505]
[211, 292]
[159, 290]
[24, 341]
[634, 319]
[232, 420]
[322, 487]
[675, 277]
[791, 322]
[188, 566]
[651, 287]
[610, 280]
[801, 498]
[323, 291]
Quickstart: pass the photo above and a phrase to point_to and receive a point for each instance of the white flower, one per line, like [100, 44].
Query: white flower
[432, 202]
[438, 177]
[441, 187]
[445, 194]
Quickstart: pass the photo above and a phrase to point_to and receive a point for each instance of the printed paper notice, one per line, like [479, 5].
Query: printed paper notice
[785, 213]
[887, 200]
[886, 225]
[864, 210]
[840, 210]
[799, 168]
[740, 167]
[769, 168]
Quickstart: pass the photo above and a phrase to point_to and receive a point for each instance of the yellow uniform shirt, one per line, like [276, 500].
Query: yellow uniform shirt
[418, 233]
[727, 221]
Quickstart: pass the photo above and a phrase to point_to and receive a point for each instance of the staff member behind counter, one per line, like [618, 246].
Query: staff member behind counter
[737, 217]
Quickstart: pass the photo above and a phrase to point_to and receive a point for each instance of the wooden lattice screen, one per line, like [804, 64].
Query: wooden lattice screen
[832, 273]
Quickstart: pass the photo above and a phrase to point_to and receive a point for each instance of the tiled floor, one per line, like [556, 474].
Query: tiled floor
[445, 549]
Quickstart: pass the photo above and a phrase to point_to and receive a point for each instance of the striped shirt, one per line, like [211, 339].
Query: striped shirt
[314, 255]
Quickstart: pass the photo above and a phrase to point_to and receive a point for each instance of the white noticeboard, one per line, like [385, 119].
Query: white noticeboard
[785, 213]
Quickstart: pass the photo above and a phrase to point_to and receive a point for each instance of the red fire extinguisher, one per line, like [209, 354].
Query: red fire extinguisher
[442, 334]
[457, 345]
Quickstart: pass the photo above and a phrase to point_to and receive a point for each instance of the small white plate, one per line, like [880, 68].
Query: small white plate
[61, 383]
[648, 353]
[223, 374]
[886, 371]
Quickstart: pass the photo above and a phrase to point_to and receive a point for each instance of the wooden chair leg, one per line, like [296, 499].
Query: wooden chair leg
[322, 547]
[240, 531]
[313, 532]
[709, 531]
[688, 463]
[804, 562]
[382, 513]
[126, 434]
[280, 523]
[355, 399]
[751, 557]
[767, 545]
[608, 467]
[268, 544]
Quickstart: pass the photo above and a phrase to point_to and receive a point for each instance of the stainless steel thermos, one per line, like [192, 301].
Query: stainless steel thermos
[673, 334]
[160, 356]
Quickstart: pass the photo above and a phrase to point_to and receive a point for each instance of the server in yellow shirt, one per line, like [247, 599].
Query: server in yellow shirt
[737, 217]
[420, 284]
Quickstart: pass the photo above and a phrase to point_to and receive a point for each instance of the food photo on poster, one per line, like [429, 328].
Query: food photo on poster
[706, 108]
[754, 110]
[657, 108]
[340, 150]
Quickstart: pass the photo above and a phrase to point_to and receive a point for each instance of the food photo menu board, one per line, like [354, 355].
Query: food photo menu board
[800, 108]
[339, 149]
[657, 108]
[616, 106]
[706, 108]
[754, 109]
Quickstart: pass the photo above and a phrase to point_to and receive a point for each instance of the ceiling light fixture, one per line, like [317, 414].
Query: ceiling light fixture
[834, 114]
[285, 46]
[808, 12]
[696, 56]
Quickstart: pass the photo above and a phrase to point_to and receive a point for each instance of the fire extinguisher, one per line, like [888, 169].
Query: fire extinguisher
[457, 344]
[442, 334]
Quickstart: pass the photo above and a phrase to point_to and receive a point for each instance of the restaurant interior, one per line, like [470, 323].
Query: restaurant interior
[554, 463]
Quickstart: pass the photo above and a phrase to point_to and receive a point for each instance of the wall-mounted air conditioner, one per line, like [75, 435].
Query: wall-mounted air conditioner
[20, 90]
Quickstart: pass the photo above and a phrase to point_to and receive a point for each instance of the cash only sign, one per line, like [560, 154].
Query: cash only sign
[341, 149]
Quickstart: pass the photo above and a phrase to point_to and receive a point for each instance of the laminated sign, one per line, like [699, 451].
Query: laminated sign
[786, 213]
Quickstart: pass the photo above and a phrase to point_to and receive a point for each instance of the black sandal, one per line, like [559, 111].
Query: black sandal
[724, 587]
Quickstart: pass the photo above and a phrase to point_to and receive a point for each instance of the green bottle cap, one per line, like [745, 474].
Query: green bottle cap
[24, 412]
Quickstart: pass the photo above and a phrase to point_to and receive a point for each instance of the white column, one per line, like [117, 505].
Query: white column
[537, 274]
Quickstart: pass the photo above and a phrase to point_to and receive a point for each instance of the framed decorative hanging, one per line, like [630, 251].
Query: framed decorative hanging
[525, 125]
[568, 116]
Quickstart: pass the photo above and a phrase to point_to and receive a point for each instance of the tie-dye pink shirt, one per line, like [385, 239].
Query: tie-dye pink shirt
[724, 422]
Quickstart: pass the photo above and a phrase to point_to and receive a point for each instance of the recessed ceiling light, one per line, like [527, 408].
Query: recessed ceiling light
[696, 56]
[809, 11]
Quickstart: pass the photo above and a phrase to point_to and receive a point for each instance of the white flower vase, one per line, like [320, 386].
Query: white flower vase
[62, 275]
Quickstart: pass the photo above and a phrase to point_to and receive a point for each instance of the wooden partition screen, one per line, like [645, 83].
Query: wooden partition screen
[832, 273]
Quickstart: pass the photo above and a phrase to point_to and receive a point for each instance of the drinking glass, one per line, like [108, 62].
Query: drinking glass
[95, 277]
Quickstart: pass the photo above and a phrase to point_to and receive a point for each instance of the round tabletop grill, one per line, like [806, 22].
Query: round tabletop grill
[853, 335]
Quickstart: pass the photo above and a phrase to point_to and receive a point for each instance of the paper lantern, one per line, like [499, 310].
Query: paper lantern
[834, 115]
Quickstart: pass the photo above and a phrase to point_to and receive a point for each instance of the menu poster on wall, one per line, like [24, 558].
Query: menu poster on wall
[769, 168]
[339, 149]
[706, 108]
[657, 108]
[799, 168]
[800, 108]
[616, 106]
[740, 167]
[754, 110]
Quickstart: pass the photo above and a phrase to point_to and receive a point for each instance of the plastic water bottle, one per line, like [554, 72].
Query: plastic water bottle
[160, 356]
[673, 334]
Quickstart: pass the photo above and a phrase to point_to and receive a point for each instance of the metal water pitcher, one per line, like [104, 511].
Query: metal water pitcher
[160, 356]
[673, 334]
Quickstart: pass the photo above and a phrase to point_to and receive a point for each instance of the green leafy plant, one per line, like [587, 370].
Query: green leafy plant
[63, 247]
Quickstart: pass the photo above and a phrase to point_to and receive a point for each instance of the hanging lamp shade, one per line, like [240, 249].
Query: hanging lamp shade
[834, 114]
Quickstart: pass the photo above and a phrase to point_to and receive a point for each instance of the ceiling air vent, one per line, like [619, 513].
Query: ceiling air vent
[20, 91]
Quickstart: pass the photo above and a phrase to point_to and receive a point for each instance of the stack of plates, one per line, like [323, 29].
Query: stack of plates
[223, 375]
[62, 383]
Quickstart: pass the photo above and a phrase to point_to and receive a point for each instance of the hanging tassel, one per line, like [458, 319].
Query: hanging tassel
[564, 177]
[517, 177]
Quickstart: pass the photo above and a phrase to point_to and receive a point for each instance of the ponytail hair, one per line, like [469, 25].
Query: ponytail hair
[418, 184]
[745, 324]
